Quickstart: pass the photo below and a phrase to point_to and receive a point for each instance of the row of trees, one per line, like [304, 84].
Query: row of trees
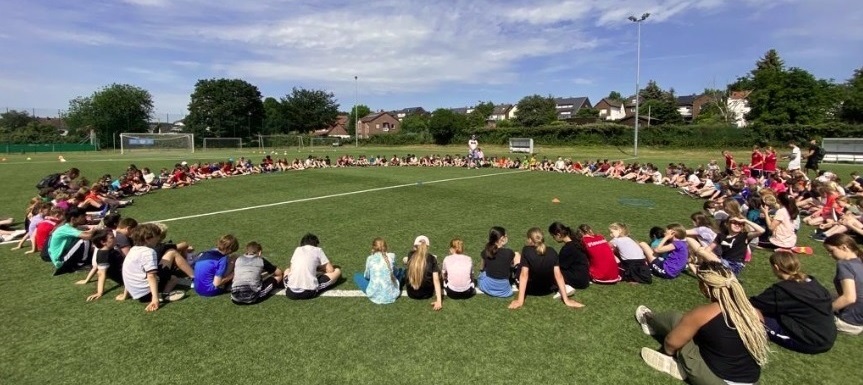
[236, 108]
[20, 127]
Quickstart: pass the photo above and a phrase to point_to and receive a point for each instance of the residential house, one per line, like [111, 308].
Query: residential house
[402, 113]
[166, 127]
[643, 121]
[501, 112]
[689, 106]
[568, 107]
[738, 106]
[336, 130]
[462, 110]
[58, 123]
[613, 109]
[378, 123]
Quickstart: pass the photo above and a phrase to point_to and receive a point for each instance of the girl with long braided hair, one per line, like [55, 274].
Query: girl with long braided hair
[714, 343]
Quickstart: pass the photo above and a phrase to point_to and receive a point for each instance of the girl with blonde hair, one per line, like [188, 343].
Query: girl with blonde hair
[797, 310]
[720, 342]
[538, 271]
[381, 280]
[457, 272]
[423, 273]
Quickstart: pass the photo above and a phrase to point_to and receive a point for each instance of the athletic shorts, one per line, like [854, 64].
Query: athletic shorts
[324, 282]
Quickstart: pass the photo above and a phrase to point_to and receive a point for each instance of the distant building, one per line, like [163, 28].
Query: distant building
[378, 123]
[613, 109]
[738, 107]
[336, 130]
[404, 112]
[567, 108]
[689, 106]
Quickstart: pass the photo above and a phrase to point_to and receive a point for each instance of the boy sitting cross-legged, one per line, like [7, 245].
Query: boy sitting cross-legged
[311, 272]
[144, 275]
[249, 285]
[214, 268]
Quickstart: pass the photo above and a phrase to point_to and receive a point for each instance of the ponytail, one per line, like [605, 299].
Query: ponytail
[537, 240]
[417, 265]
[788, 263]
[494, 236]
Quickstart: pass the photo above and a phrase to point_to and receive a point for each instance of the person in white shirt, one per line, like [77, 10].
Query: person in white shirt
[794, 157]
[311, 272]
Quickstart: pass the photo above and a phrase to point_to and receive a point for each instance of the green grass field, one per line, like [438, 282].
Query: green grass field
[51, 334]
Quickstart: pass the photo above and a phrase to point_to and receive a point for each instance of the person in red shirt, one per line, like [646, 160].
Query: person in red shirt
[757, 163]
[769, 162]
[730, 164]
[603, 265]
[44, 229]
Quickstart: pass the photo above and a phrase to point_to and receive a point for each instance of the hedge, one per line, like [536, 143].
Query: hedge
[668, 136]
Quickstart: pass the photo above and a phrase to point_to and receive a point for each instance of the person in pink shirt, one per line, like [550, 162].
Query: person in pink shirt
[458, 272]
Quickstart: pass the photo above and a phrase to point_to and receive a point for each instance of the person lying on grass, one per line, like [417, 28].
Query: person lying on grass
[538, 271]
[311, 271]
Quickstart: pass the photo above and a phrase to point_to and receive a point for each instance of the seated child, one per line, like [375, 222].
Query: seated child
[603, 267]
[675, 250]
[633, 264]
[144, 275]
[249, 285]
[423, 273]
[538, 271]
[310, 271]
[458, 272]
[107, 261]
[381, 281]
[214, 268]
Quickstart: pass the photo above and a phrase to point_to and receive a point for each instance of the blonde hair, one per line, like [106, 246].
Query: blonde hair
[788, 263]
[417, 265]
[725, 289]
[457, 245]
[679, 230]
[379, 245]
[534, 235]
[622, 228]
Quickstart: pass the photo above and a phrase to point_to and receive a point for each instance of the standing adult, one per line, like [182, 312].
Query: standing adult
[793, 157]
[813, 157]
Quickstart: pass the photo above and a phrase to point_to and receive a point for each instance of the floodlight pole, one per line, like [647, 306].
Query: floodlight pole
[356, 118]
[638, 22]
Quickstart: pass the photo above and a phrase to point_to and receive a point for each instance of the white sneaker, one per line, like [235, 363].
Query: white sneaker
[663, 363]
[569, 292]
[18, 233]
[641, 314]
[173, 296]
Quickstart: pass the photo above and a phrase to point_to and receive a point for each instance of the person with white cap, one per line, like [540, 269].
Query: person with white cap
[423, 273]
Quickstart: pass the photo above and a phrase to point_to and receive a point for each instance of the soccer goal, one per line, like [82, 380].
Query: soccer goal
[134, 142]
[270, 143]
[322, 143]
[223, 144]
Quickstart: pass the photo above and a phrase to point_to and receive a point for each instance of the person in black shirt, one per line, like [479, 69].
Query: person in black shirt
[723, 341]
[797, 310]
[573, 260]
[423, 273]
[538, 271]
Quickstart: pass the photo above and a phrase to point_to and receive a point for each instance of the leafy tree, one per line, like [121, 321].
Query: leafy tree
[659, 104]
[769, 62]
[480, 114]
[615, 96]
[852, 107]
[225, 108]
[13, 119]
[309, 110]
[362, 111]
[111, 110]
[587, 113]
[716, 109]
[274, 118]
[445, 124]
[536, 110]
[791, 96]
[415, 123]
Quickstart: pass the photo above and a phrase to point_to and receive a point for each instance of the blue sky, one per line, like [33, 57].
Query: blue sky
[405, 53]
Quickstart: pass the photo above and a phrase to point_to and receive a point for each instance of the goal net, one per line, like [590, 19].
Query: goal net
[223, 144]
[270, 143]
[324, 143]
[133, 142]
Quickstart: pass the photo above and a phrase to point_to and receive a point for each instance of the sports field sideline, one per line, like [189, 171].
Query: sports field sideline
[52, 334]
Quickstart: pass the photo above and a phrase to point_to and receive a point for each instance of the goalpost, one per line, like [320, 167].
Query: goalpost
[324, 143]
[276, 143]
[223, 143]
[134, 141]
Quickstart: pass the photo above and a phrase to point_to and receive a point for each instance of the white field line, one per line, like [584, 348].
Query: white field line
[336, 195]
[356, 293]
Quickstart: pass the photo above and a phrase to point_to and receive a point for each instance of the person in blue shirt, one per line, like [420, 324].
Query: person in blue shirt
[214, 268]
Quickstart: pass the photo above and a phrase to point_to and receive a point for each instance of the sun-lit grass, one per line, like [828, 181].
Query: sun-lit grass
[52, 334]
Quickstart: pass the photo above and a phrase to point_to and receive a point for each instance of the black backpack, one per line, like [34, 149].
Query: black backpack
[49, 181]
[821, 153]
